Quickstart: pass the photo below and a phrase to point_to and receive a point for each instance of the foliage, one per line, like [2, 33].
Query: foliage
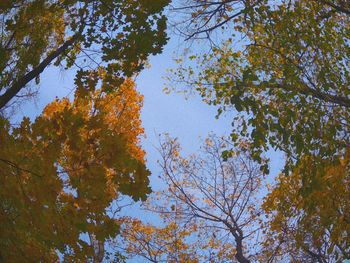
[118, 35]
[210, 204]
[313, 224]
[283, 68]
[212, 198]
[285, 71]
[159, 244]
[61, 173]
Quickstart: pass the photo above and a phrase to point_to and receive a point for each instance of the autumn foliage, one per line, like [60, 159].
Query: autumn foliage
[280, 69]
[311, 223]
[82, 35]
[61, 173]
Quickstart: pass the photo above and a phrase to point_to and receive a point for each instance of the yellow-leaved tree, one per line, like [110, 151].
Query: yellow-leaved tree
[61, 174]
[309, 214]
[169, 243]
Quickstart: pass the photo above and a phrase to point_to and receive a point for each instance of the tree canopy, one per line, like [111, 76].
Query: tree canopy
[313, 225]
[116, 35]
[209, 206]
[61, 174]
[284, 69]
[281, 68]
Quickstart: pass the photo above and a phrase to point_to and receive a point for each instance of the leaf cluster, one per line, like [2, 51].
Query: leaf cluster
[61, 173]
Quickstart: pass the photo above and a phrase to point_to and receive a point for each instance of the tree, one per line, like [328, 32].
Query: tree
[284, 69]
[159, 244]
[218, 196]
[314, 224]
[118, 35]
[197, 19]
[62, 174]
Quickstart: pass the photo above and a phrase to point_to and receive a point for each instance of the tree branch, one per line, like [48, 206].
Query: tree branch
[23, 81]
[338, 8]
